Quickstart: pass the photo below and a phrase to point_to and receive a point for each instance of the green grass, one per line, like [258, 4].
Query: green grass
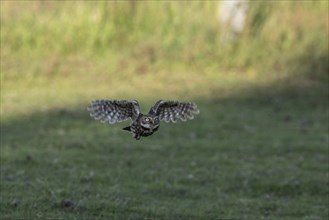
[264, 159]
[257, 150]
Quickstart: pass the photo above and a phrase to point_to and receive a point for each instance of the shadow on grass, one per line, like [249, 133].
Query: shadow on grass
[242, 156]
[301, 94]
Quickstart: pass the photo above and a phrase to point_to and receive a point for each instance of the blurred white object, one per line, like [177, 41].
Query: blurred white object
[232, 15]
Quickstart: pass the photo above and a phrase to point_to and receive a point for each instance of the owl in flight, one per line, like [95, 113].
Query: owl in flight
[113, 111]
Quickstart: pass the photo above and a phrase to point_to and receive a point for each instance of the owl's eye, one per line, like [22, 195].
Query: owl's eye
[147, 120]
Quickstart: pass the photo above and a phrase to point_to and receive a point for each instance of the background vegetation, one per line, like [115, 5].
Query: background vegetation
[259, 148]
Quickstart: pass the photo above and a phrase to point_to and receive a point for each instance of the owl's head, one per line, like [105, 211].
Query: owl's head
[148, 121]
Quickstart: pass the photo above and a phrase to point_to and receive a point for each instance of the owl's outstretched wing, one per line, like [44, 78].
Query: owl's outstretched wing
[113, 111]
[171, 111]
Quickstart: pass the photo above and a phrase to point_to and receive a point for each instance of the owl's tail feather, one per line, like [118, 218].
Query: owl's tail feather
[127, 129]
[136, 136]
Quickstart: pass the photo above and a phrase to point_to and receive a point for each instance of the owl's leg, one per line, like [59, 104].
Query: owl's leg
[137, 136]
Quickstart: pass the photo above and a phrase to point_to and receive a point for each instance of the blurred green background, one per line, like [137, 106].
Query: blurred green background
[258, 149]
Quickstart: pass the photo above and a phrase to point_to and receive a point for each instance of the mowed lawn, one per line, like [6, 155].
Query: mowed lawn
[257, 150]
[260, 152]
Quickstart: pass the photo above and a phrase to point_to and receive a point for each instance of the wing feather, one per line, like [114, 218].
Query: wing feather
[172, 111]
[113, 111]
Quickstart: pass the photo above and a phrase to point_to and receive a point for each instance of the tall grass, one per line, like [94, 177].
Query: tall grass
[279, 35]
[172, 48]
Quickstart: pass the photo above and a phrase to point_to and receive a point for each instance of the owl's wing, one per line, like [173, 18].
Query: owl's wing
[113, 111]
[171, 111]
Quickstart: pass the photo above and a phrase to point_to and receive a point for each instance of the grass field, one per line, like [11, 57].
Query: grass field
[257, 150]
